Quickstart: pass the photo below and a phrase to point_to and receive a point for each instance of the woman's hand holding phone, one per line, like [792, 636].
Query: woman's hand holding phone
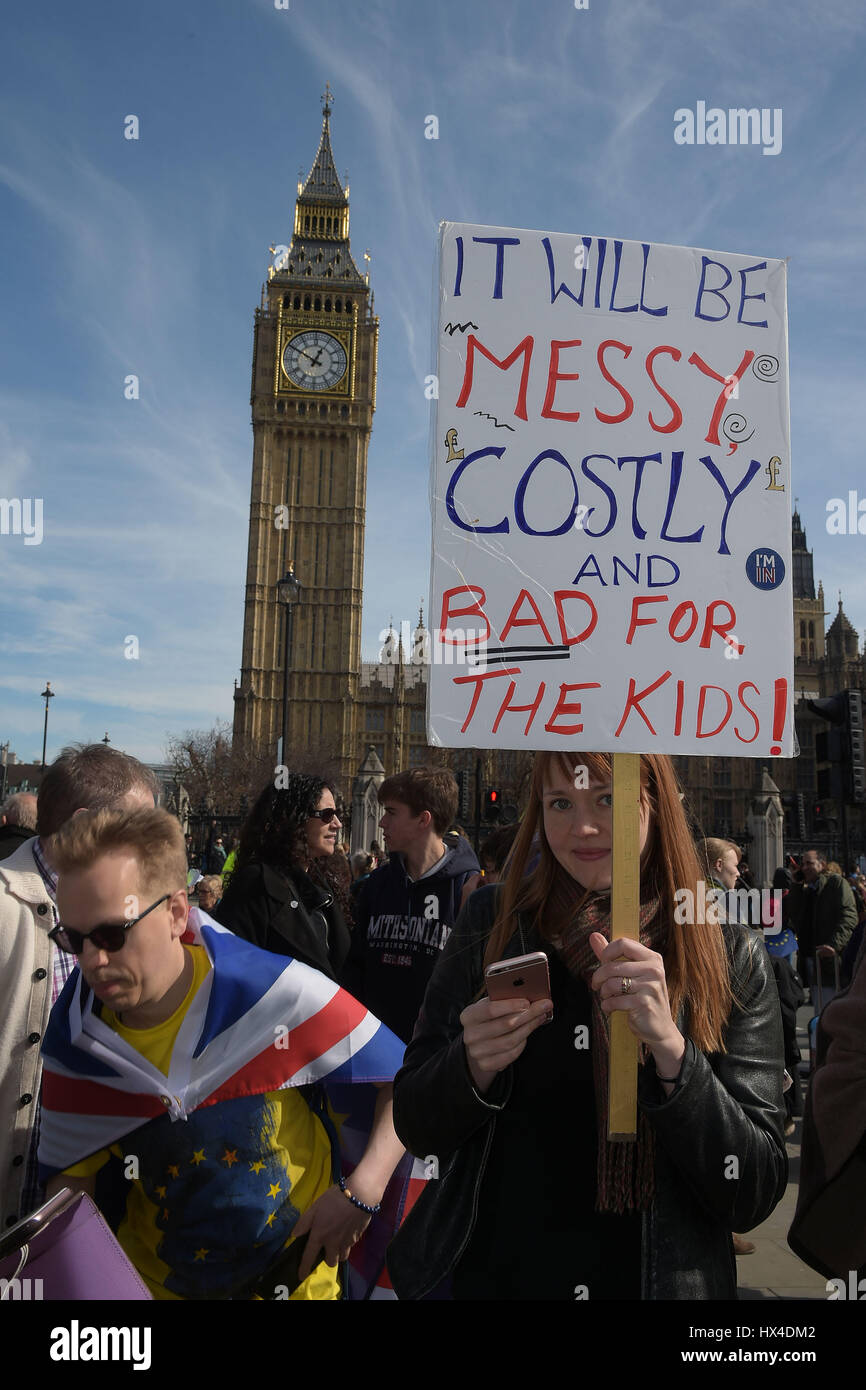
[495, 1033]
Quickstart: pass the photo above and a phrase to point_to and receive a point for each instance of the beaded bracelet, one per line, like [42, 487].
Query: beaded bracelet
[356, 1201]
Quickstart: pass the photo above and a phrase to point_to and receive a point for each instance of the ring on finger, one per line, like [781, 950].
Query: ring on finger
[625, 986]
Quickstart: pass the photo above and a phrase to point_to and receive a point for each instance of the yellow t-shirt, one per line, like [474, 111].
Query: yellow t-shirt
[253, 1153]
[157, 1044]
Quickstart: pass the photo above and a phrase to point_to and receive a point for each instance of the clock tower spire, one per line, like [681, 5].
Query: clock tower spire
[320, 237]
[313, 397]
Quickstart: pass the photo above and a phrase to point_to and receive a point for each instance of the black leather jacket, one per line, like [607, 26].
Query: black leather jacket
[720, 1161]
[289, 916]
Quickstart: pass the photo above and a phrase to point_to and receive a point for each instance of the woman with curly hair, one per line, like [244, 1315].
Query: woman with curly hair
[532, 1201]
[284, 894]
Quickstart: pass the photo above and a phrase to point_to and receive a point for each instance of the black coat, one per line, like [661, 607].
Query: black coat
[724, 1106]
[829, 1227]
[12, 837]
[291, 916]
[823, 915]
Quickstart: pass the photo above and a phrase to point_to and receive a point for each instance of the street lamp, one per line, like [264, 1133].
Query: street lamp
[202, 815]
[47, 694]
[288, 594]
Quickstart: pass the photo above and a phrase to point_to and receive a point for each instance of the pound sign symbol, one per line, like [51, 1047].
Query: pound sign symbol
[451, 441]
[772, 471]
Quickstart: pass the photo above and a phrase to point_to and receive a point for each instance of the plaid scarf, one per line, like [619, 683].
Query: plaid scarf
[625, 1171]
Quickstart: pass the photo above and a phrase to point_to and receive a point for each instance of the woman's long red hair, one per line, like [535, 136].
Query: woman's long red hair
[694, 955]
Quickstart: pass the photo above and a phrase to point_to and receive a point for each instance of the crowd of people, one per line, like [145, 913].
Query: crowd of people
[360, 1109]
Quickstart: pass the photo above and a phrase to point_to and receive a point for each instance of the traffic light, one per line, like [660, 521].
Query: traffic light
[463, 807]
[857, 772]
[843, 745]
[832, 708]
[827, 782]
[801, 815]
[794, 805]
[492, 805]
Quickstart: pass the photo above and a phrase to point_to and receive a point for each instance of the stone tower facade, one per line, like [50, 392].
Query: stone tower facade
[809, 612]
[313, 397]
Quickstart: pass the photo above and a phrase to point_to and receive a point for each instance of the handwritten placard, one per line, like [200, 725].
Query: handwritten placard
[611, 497]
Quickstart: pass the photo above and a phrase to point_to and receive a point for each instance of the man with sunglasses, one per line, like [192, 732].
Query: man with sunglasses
[32, 971]
[172, 1018]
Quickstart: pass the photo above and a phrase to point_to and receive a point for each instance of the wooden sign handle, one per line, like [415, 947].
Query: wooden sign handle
[625, 921]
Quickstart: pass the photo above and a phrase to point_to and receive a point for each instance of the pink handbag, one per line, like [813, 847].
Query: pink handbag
[66, 1251]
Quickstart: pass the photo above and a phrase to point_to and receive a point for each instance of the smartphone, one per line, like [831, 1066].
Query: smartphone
[522, 977]
[29, 1226]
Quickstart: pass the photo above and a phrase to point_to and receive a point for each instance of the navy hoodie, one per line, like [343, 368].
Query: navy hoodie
[400, 928]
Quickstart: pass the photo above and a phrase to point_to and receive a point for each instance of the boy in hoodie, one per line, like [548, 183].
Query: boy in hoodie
[405, 910]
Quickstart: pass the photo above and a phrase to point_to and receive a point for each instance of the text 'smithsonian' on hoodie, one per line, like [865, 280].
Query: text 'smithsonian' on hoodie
[400, 928]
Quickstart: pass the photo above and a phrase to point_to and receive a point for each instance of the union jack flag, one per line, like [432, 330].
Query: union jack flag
[258, 1023]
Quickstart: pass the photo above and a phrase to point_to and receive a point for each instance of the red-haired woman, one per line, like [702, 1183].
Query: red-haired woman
[531, 1201]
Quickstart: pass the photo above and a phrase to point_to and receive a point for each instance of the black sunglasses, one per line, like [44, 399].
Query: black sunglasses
[109, 937]
[326, 814]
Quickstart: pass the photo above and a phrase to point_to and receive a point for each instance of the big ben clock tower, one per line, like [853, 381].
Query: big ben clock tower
[313, 397]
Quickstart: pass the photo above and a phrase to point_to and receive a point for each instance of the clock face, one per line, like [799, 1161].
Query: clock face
[315, 361]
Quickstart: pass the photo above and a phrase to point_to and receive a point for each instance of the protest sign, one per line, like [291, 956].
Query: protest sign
[611, 498]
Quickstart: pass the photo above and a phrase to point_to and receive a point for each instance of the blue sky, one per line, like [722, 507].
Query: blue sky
[148, 256]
